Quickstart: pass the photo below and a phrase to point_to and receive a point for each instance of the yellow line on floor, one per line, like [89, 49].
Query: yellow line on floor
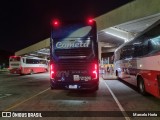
[16, 105]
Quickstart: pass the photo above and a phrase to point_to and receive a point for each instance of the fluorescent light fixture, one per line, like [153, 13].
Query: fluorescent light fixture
[125, 39]
[43, 53]
[137, 43]
[33, 54]
[107, 46]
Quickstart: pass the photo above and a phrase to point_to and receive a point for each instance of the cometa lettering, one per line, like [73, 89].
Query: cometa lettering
[71, 45]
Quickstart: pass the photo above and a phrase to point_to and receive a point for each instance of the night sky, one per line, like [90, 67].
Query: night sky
[26, 22]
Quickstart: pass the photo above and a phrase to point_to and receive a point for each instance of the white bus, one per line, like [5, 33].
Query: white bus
[27, 65]
[138, 61]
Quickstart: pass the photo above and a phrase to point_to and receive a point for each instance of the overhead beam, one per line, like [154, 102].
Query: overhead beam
[134, 10]
[42, 44]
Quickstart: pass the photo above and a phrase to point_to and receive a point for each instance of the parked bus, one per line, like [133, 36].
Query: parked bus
[138, 61]
[74, 55]
[27, 65]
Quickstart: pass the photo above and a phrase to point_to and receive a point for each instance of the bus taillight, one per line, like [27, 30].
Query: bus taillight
[90, 21]
[55, 23]
[52, 71]
[95, 72]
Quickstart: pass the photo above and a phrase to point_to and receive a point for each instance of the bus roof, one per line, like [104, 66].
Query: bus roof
[31, 57]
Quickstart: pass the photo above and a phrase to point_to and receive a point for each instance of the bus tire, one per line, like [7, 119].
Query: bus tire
[141, 86]
[52, 88]
[31, 72]
[96, 88]
[46, 70]
[117, 74]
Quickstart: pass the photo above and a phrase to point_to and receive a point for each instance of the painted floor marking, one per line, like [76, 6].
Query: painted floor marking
[118, 103]
[4, 95]
[14, 106]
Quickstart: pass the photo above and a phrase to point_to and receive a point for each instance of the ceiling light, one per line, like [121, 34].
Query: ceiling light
[125, 39]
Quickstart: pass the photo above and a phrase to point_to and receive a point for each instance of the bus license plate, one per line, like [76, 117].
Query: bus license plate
[73, 86]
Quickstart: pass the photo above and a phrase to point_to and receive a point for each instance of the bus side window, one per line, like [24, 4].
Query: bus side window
[46, 62]
[150, 47]
[127, 52]
[121, 54]
[138, 50]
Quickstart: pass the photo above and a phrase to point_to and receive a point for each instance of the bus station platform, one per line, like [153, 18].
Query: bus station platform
[108, 76]
[4, 70]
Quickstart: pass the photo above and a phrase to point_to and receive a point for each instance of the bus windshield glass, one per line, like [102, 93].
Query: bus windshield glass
[14, 59]
[73, 41]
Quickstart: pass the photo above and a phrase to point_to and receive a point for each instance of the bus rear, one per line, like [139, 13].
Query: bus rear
[74, 56]
[27, 65]
[15, 64]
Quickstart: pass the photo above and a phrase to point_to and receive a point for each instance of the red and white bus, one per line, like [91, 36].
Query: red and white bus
[27, 65]
[138, 61]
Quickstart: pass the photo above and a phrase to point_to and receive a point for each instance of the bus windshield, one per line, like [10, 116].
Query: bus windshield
[74, 30]
[14, 59]
[73, 41]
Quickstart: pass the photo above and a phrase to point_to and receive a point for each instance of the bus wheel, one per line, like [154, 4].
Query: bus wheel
[141, 86]
[46, 70]
[52, 88]
[117, 73]
[96, 88]
[31, 72]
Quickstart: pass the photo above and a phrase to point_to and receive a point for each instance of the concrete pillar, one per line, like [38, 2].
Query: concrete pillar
[99, 50]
